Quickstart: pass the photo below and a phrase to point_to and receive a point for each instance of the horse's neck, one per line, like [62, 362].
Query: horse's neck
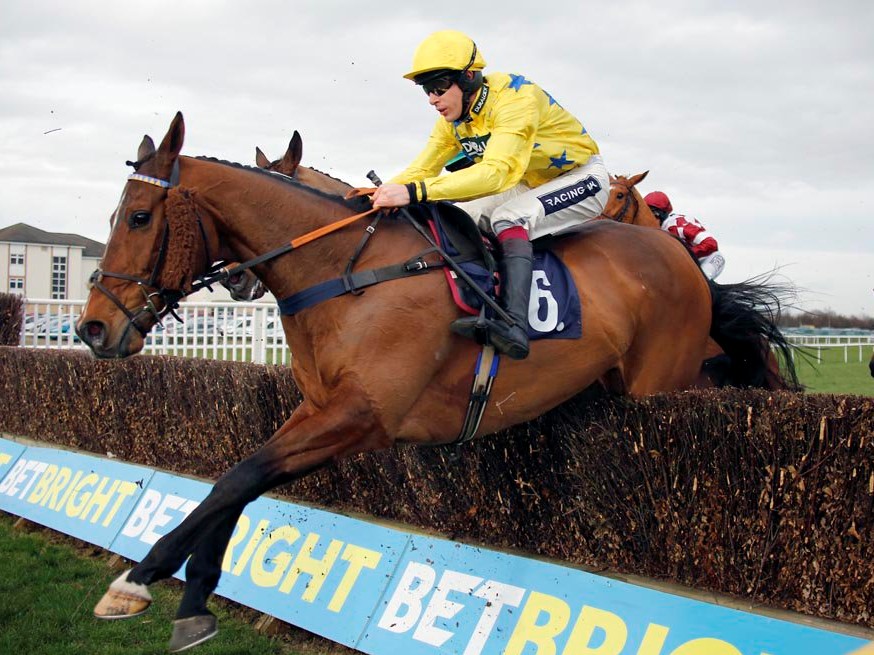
[644, 215]
[255, 214]
[321, 181]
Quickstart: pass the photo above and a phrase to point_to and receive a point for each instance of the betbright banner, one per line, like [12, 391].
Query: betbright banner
[9, 452]
[86, 497]
[385, 591]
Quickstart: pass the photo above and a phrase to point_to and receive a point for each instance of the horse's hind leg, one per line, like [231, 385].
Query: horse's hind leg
[666, 358]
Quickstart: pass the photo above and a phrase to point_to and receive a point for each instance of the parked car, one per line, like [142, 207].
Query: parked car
[56, 326]
[243, 326]
[202, 326]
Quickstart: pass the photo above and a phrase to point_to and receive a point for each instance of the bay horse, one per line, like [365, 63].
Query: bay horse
[626, 205]
[373, 368]
[245, 286]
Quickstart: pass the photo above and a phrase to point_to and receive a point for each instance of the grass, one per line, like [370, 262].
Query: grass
[49, 585]
[833, 374]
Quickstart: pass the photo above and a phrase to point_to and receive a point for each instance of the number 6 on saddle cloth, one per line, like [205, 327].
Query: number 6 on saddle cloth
[554, 309]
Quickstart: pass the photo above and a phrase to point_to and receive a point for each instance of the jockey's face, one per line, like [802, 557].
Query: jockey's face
[661, 215]
[448, 104]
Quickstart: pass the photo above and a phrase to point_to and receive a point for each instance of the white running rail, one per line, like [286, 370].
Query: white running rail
[252, 332]
[234, 331]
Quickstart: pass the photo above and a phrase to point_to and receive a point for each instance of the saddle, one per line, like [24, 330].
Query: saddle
[554, 311]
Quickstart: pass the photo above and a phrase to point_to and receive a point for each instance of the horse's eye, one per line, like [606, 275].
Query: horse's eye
[620, 195]
[139, 219]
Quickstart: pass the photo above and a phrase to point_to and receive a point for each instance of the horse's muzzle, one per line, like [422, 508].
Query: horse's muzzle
[95, 334]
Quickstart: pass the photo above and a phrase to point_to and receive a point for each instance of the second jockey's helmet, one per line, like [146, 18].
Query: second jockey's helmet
[446, 50]
[658, 200]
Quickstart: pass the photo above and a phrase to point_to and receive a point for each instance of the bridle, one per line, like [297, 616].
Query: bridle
[171, 297]
[152, 293]
[629, 198]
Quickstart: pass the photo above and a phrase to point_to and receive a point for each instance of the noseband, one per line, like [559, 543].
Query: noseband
[169, 298]
[629, 197]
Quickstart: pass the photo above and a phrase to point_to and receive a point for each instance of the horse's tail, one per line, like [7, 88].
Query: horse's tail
[744, 325]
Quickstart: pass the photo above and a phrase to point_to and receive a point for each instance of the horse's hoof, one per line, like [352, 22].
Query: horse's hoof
[192, 631]
[123, 599]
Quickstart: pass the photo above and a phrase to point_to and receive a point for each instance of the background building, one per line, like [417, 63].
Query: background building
[56, 266]
[51, 265]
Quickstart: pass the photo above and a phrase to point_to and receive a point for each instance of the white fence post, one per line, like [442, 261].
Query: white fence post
[258, 326]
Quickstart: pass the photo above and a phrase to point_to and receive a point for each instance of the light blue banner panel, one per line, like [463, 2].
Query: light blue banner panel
[383, 591]
[320, 571]
[9, 452]
[447, 598]
[83, 496]
[162, 506]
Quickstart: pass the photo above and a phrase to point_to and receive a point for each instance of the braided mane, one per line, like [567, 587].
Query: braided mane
[357, 204]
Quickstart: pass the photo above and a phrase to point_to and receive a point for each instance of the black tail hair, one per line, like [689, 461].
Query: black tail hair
[745, 316]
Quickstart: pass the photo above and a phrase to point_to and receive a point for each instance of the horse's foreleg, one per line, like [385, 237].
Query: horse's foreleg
[307, 441]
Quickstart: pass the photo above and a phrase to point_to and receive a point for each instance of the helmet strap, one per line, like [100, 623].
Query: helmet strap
[469, 82]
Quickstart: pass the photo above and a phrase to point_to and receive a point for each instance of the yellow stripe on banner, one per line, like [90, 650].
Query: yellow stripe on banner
[864, 650]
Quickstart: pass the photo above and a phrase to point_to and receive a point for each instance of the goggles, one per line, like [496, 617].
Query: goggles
[440, 85]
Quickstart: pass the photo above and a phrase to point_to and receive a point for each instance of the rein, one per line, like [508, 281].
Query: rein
[208, 279]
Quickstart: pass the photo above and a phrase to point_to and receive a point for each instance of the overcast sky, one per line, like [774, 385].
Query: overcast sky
[755, 117]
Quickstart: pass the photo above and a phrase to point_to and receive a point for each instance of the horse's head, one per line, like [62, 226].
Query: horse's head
[157, 246]
[625, 205]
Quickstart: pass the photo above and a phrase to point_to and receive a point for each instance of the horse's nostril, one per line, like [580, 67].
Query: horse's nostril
[92, 332]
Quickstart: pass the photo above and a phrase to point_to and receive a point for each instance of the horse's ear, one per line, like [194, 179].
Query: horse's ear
[146, 149]
[261, 159]
[172, 143]
[636, 179]
[291, 158]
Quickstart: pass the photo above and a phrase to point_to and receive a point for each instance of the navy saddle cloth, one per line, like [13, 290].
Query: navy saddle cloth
[554, 309]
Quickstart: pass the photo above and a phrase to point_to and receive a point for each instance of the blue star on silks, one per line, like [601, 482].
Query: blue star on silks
[552, 101]
[560, 162]
[517, 82]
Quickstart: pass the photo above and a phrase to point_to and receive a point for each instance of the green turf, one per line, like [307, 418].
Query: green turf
[833, 374]
[48, 590]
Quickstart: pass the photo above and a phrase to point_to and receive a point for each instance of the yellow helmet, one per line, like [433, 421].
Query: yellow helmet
[447, 49]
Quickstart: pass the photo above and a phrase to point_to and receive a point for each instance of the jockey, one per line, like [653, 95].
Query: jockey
[534, 171]
[688, 230]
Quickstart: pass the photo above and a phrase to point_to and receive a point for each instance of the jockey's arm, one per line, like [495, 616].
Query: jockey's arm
[441, 147]
[700, 241]
[399, 190]
[504, 161]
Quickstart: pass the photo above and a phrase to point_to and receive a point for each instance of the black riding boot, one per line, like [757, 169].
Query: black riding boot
[515, 269]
